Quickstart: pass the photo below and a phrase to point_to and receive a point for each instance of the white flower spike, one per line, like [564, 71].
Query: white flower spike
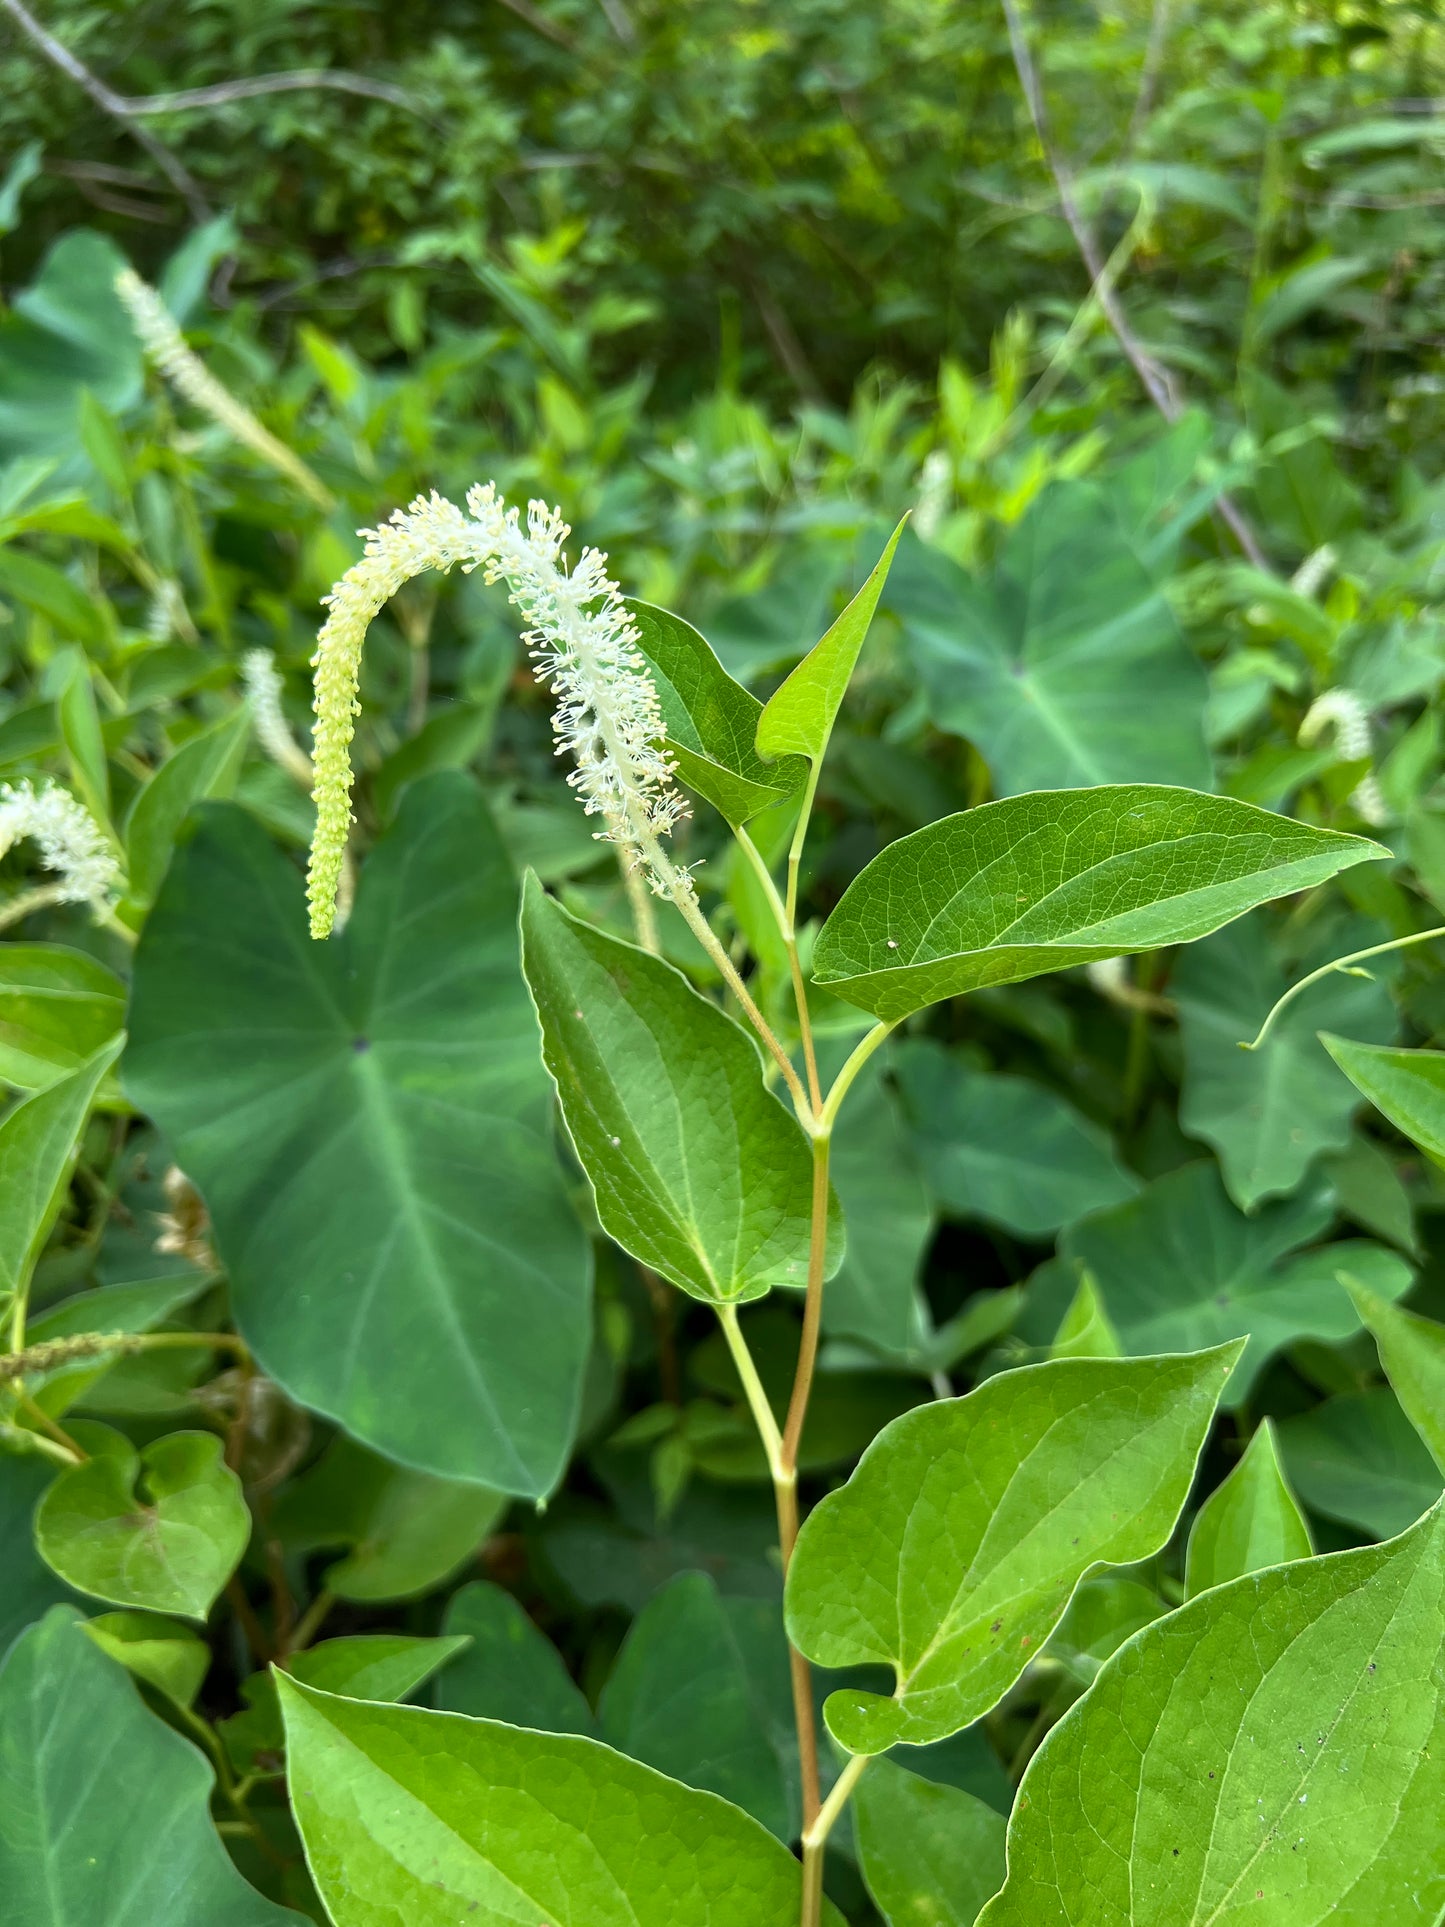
[71, 841]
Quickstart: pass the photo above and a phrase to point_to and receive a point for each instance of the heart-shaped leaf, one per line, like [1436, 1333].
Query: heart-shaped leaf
[1250, 1522]
[1406, 1086]
[952, 1551]
[1412, 1351]
[1037, 883]
[931, 1855]
[1273, 1752]
[367, 1120]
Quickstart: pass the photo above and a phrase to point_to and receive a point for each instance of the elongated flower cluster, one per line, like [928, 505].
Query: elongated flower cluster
[581, 641]
[1344, 712]
[273, 732]
[165, 346]
[71, 841]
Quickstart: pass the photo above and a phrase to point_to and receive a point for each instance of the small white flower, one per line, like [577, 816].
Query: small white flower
[71, 841]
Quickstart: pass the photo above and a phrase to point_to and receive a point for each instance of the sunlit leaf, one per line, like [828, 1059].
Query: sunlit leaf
[1249, 1522]
[1412, 1351]
[931, 1855]
[57, 1007]
[1406, 1086]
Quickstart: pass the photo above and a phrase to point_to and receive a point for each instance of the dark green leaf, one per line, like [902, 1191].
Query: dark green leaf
[205, 766]
[931, 1855]
[1358, 1459]
[1412, 1351]
[510, 1671]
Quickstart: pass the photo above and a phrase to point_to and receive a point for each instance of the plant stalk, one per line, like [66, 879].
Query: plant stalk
[815, 1838]
[1340, 963]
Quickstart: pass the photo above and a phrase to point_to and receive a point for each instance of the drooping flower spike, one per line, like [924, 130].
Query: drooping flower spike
[71, 842]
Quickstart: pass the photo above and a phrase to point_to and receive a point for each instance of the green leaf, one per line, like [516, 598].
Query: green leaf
[40, 586]
[1005, 1149]
[698, 1169]
[1067, 666]
[403, 1256]
[1270, 1112]
[700, 1691]
[711, 721]
[1406, 1086]
[27, 1585]
[952, 1551]
[169, 1657]
[1102, 1614]
[1085, 1330]
[1273, 1752]
[430, 1818]
[1179, 1266]
[108, 1809]
[931, 1855]
[1358, 1459]
[1250, 1522]
[38, 1140]
[134, 1307]
[798, 717]
[1412, 1351]
[205, 766]
[80, 732]
[57, 1008]
[162, 1528]
[1037, 883]
[510, 1671]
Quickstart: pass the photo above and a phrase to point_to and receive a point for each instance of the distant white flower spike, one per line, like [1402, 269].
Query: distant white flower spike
[935, 488]
[1344, 712]
[581, 640]
[71, 841]
[273, 732]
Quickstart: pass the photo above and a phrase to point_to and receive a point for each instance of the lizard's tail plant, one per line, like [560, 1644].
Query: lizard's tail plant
[70, 842]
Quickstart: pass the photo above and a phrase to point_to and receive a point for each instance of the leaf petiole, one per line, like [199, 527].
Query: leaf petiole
[1342, 964]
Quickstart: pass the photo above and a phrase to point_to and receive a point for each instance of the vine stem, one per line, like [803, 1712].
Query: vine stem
[790, 943]
[1340, 963]
[815, 1837]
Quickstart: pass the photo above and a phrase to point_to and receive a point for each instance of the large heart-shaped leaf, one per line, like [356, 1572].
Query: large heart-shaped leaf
[951, 1553]
[1407, 1086]
[931, 1855]
[104, 1818]
[1273, 1752]
[431, 1818]
[367, 1122]
[1249, 1522]
[1040, 882]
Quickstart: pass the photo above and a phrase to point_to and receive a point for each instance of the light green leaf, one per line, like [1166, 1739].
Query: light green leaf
[40, 586]
[1412, 1351]
[1270, 1112]
[952, 1551]
[167, 1656]
[1274, 1752]
[161, 1528]
[1180, 1266]
[1037, 883]
[1102, 1614]
[83, 1846]
[711, 721]
[798, 717]
[57, 1007]
[134, 1307]
[403, 1258]
[698, 1169]
[430, 1818]
[510, 1671]
[205, 766]
[1358, 1459]
[80, 731]
[1406, 1086]
[38, 1140]
[1005, 1149]
[1250, 1522]
[931, 1855]
[1085, 1331]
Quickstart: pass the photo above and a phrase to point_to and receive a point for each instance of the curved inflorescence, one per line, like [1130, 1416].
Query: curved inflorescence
[71, 842]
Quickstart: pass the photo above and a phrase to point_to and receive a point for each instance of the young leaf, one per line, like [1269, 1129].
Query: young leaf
[1412, 1351]
[931, 1855]
[1406, 1086]
[712, 721]
[952, 1551]
[107, 1820]
[1037, 883]
[1085, 1331]
[699, 1171]
[37, 1147]
[161, 1528]
[1274, 1751]
[1250, 1522]
[510, 1671]
[169, 1657]
[1358, 1459]
[368, 1124]
[431, 1818]
[57, 1007]
[798, 717]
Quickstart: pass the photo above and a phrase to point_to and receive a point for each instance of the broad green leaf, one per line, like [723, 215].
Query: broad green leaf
[1358, 1459]
[161, 1528]
[431, 1818]
[1041, 882]
[952, 1551]
[1005, 1149]
[1406, 1086]
[205, 766]
[104, 1811]
[135, 1307]
[698, 1169]
[64, 333]
[1412, 1351]
[619, 1555]
[27, 1585]
[700, 1691]
[1250, 1522]
[403, 1257]
[57, 1008]
[51, 593]
[510, 1670]
[1274, 1752]
[798, 717]
[1102, 1614]
[1270, 1112]
[1085, 1330]
[166, 1655]
[1068, 666]
[38, 1140]
[711, 721]
[1180, 1266]
[931, 1855]
[1371, 1192]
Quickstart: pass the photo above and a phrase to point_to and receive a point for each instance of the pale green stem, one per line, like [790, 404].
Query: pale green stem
[757, 1398]
[842, 1084]
[1340, 963]
[795, 854]
[815, 1838]
[790, 943]
[40, 898]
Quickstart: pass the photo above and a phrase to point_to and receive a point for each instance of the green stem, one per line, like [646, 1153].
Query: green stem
[1340, 963]
[812, 1304]
[815, 1838]
[842, 1084]
[795, 853]
[757, 1398]
[310, 1623]
[790, 943]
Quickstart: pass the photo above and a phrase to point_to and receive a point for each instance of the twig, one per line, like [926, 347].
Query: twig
[1152, 68]
[335, 80]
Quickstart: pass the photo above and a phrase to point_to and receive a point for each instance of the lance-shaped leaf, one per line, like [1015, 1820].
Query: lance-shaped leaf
[931, 1854]
[1251, 1521]
[38, 1140]
[1039, 882]
[798, 717]
[698, 1169]
[432, 1818]
[1274, 1752]
[57, 1007]
[951, 1553]
[368, 1123]
[510, 1670]
[106, 1818]
[711, 721]
[1085, 1330]
[1412, 1351]
[1407, 1086]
